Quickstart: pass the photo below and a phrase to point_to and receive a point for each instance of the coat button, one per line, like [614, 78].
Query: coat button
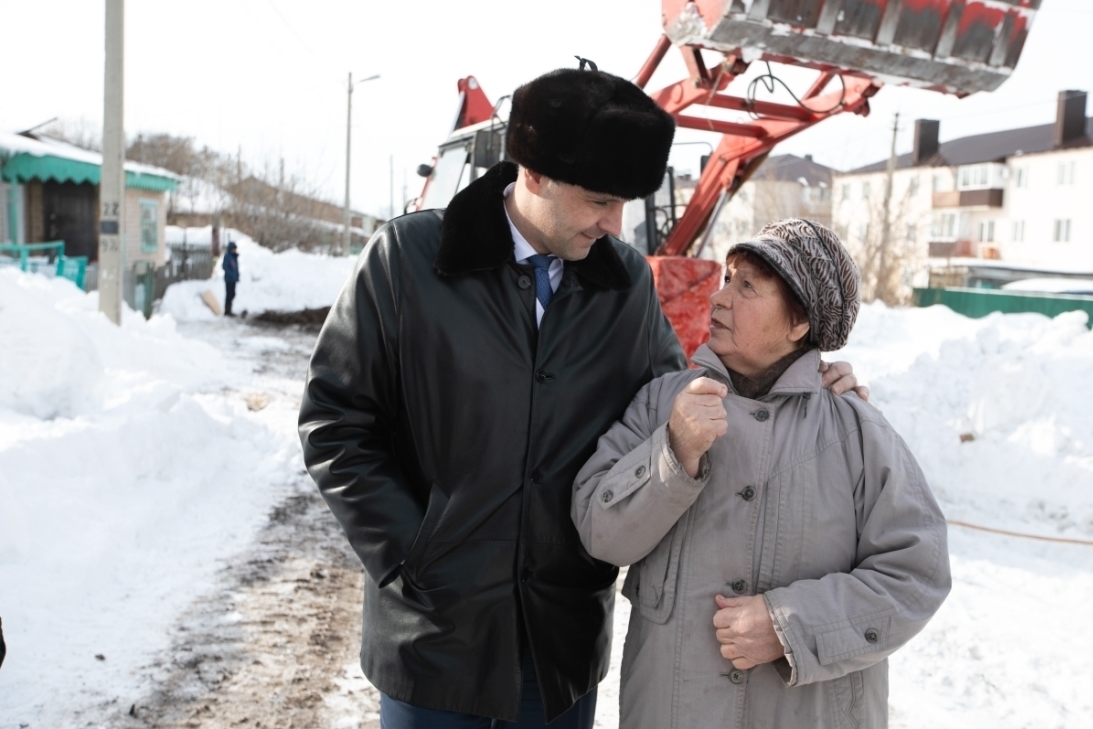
[738, 586]
[541, 376]
[524, 282]
[736, 676]
[525, 576]
[607, 496]
[639, 472]
[747, 494]
[762, 416]
[871, 636]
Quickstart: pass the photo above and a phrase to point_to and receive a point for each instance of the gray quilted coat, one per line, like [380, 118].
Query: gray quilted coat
[810, 500]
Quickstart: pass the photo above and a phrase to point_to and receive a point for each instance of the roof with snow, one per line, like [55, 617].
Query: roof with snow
[989, 147]
[24, 158]
[791, 168]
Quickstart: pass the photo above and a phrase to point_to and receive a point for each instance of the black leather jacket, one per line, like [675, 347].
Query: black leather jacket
[445, 431]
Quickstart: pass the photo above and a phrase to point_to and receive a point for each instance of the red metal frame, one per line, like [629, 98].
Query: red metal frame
[742, 145]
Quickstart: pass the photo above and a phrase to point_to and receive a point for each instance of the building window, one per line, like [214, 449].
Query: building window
[743, 195]
[865, 190]
[846, 191]
[936, 183]
[943, 226]
[986, 231]
[1062, 230]
[1018, 231]
[912, 187]
[863, 232]
[912, 234]
[149, 226]
[1066, 173]
[1021, 176]
[974, 177]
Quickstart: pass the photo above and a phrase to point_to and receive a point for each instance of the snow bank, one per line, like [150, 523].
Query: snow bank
[127, 468]
[286, 281]
[998, 411]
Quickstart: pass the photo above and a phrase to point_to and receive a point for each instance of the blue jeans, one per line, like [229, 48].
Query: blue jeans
[395, 714]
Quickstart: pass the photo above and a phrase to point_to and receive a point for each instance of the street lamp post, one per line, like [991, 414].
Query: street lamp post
[346, 235]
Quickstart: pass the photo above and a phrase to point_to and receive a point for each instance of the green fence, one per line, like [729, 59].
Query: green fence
[978, 303]
[42, 257]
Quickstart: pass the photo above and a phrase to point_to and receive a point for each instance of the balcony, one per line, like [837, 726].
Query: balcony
[987, 198]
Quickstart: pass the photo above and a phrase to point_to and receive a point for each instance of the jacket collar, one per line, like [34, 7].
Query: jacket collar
[475, 236]
[803, 376]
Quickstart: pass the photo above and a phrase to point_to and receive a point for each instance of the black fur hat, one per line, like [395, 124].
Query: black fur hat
[592, 129]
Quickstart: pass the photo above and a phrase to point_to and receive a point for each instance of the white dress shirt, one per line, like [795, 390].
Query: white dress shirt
[522, 250]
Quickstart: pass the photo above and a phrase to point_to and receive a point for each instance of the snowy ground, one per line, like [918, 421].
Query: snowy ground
[154, 512]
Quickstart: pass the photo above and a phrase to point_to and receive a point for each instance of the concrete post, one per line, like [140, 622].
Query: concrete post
[112, 184]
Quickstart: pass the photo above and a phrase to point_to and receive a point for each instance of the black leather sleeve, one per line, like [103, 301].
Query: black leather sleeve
[349, 412]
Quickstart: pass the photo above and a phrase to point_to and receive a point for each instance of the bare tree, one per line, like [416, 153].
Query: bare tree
[81, 133]
[886, 262]
[284, 211]
[276, 209]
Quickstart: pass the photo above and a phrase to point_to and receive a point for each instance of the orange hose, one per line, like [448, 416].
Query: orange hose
[1060, 540]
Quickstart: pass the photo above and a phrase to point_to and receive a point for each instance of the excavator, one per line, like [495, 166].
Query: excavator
[849, 48]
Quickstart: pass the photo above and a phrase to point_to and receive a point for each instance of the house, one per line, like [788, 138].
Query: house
[49, 191]
[1014, 200]
[785, 186]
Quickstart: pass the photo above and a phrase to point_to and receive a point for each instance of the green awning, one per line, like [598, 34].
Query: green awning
[25, 167]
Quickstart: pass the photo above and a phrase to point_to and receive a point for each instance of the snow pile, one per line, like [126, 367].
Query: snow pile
[287, 281]
[62, 358]
[998, 411]
[127, 468]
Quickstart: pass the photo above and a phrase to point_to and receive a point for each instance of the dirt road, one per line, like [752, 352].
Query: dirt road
[276, 644]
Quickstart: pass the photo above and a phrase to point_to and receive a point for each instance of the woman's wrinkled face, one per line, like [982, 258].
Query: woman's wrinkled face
[750, 325]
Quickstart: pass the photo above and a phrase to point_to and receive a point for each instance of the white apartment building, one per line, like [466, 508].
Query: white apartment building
[1014, 199]
[785, 186]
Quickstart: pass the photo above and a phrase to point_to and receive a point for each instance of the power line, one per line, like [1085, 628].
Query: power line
[298, 38]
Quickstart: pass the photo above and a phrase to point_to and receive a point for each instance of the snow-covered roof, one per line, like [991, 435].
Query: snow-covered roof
[14, 145]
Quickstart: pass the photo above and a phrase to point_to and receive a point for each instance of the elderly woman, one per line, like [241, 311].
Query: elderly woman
[783, 540]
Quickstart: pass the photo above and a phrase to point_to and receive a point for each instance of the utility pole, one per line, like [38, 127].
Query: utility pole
[346, 235]
[112, 177]
[886, 230]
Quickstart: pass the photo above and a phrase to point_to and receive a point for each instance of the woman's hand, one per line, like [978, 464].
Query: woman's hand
[698, 419]
[746, 631]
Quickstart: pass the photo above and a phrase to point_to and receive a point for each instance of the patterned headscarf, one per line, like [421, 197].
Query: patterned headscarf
[818, 269]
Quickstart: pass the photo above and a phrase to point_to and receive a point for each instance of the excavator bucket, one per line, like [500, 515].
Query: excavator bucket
[954, 46]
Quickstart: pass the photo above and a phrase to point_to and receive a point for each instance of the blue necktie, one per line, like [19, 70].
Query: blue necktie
[543, 290]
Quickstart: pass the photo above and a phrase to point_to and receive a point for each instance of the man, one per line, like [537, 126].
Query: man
[460, 382]
[231, 276]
